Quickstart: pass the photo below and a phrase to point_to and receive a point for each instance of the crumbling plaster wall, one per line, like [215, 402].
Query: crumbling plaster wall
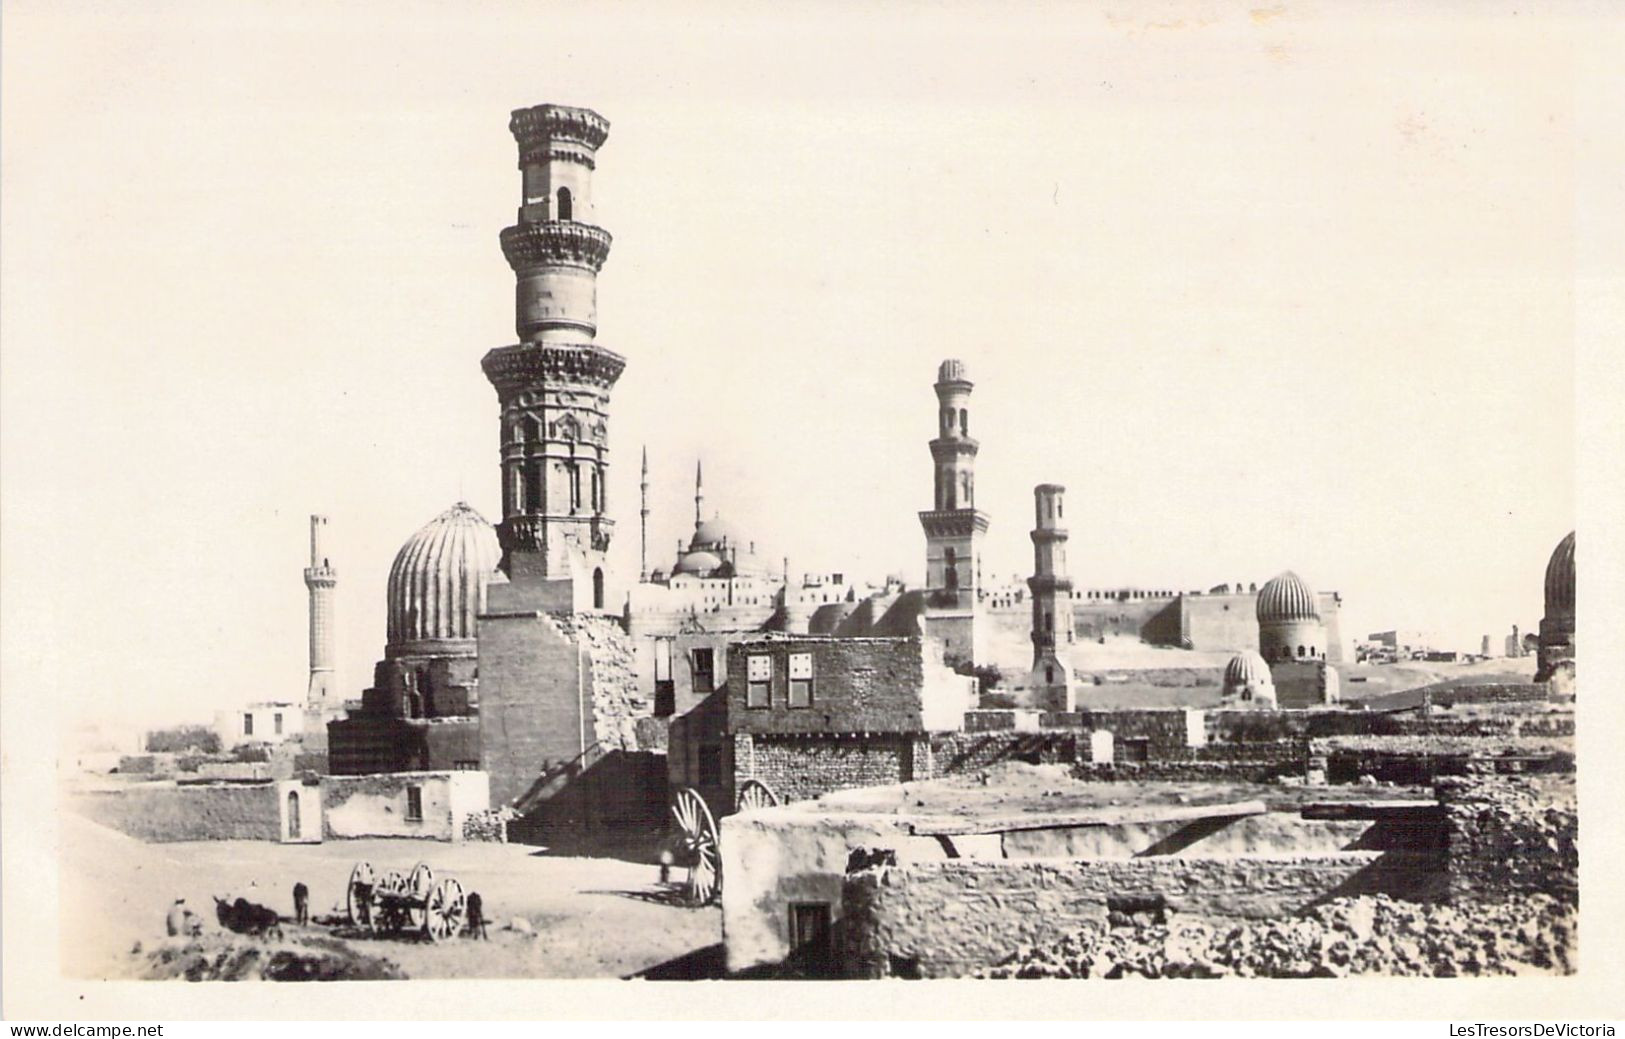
[377, 806]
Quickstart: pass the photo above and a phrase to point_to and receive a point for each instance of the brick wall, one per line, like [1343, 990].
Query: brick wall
[858, 685]
[945, 919]
[161, 812]
[802, 767]
[1510, 835]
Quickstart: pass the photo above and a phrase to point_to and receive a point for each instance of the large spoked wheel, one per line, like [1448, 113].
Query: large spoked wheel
[445, 911]
[757, 794]
[698, 845]
[390, 915]
[418, 885]
[358, 896]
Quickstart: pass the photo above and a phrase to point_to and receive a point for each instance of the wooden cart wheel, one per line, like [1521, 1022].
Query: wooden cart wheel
[358, 895]
[390, 887]
[418, 884]
[697, 839]
[757, 794]
[445, 911]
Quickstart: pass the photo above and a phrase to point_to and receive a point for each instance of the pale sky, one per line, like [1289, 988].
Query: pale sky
[1281, 287]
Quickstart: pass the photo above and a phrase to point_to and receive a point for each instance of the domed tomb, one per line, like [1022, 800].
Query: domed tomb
[1247, 681]
[1289, 625]
[437, 584]
[1556, 658]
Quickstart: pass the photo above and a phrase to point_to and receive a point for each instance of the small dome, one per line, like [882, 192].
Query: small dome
[1246, 668]
[438, 580]
[697, 562]
[1287, 598]
[952, 370]
[1560, 578]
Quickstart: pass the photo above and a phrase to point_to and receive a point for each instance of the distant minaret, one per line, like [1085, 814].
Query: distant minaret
[321, 579]
[643, 514]
[1051, 588]
[699, 495]
[954, 526]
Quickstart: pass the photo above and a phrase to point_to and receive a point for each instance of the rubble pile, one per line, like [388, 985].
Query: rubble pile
[230, 957]
[1365, 935]
[490, 825]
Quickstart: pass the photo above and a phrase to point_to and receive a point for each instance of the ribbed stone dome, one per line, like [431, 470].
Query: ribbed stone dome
[1560, 578]
[1287, 598]
[438, 580]
[952, 370]
[1244, 668]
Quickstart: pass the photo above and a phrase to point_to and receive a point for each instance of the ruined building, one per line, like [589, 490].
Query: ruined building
[1556, 663]
[1051, 679]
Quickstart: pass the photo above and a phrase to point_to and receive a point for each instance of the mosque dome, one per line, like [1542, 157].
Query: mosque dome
[713, 533]
[1245, 668]
[697, 561]
[1287, 598]
[952, 370]
[1560, 578]
[438, 580]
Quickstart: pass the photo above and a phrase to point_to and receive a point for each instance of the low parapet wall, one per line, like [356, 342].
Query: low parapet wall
[948, 918]
[162, 812]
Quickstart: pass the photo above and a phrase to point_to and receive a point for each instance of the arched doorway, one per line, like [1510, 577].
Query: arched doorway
[598, 589]
[293, 815]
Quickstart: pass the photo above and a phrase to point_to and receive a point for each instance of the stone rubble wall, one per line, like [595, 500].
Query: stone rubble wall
[617, 700]
[1510, 835]
[802, 768]
[949, 918]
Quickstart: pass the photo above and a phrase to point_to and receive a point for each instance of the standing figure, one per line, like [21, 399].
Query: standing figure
[175, 922]
[301, 903]
[476, 916]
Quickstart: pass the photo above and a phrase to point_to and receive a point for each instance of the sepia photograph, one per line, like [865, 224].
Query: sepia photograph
[958, 493]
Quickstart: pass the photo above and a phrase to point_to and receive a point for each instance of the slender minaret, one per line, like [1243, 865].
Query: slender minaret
[643, 518]
[1051, 587]
[321, 579]
[554, 385]
[699, 495]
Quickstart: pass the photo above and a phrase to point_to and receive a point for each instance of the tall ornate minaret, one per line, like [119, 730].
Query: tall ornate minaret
[1051, 587]
[954, 526]
[554, 385]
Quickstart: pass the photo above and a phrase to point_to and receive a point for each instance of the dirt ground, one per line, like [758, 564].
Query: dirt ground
[589, 917]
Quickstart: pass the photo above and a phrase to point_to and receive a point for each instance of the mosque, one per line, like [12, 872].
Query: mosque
[503, 653]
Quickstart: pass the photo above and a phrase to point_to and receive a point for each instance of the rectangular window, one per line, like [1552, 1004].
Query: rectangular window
[248, 725]
[704, 661]
[414, 804]
[759, 690]
[276, 722]
[801, 680]
[1136, 750]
